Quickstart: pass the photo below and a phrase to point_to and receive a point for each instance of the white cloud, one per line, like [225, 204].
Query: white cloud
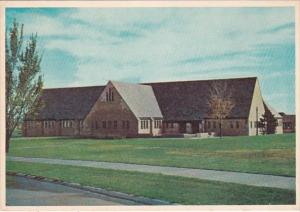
[150, 44]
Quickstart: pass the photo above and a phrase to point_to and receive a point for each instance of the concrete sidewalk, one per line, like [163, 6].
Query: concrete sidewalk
[223, 176]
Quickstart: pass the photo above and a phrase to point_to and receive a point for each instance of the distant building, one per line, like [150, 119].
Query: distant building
[151, 109]
[277, 116]
[289, 123]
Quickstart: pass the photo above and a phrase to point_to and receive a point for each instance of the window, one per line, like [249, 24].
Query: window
[109, 95]
[71, 123]
[115, 124]
[214, 125]
[237, 124]
[144, 124]
[208, 124]
[96, 124]
[250, 124]
[109, 124]
[104, 124]
[123, 124]
[157, 123]
[231, 124]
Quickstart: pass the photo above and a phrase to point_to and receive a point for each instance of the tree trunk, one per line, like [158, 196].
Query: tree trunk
[7, 138]
[220, 126]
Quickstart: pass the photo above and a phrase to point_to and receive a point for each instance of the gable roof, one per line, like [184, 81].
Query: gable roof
[176, 101]
[187, 100]
[139, 98]
[272, 110]
[68, 103]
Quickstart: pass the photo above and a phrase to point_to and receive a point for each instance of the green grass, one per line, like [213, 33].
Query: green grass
[273, 154]
[170, 188]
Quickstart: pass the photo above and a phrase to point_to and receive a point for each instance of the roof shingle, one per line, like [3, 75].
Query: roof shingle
[187, 100]
[68, 103]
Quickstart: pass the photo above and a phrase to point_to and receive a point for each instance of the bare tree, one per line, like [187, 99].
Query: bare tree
[23, 79]
[220, 102]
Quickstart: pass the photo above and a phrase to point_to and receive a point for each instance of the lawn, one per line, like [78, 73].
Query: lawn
[170, 188]
[272, 154]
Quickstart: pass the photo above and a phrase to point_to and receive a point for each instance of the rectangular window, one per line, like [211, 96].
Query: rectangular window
[208, 124]
[123, 124]
[237, 124]
[71, 123]
[250, 124]
[214, 125]
[146, 124]
[156, 123]
[115, 124]
[104, 124]
[231, 124]
[109, 124]
[142, 124]
[109, 94]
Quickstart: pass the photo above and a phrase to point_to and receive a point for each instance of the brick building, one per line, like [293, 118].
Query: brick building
[289, 122]
[151, 109]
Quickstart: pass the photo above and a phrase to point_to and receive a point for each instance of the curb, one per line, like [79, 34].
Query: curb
[114, 194]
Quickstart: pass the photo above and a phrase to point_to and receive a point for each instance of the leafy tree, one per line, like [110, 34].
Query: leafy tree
[220, 102]
[268, 122]
[24, 81]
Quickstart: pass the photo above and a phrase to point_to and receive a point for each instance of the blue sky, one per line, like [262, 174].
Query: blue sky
[89, 46]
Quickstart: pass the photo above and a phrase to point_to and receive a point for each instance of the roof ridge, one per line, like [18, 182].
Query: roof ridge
[129, 83]
[179, 81]
[93, 86]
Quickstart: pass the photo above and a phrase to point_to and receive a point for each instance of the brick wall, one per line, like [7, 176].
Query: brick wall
[100, 122]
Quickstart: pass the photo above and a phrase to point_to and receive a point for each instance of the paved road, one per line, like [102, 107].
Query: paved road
[22, 191]
[223, 176]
